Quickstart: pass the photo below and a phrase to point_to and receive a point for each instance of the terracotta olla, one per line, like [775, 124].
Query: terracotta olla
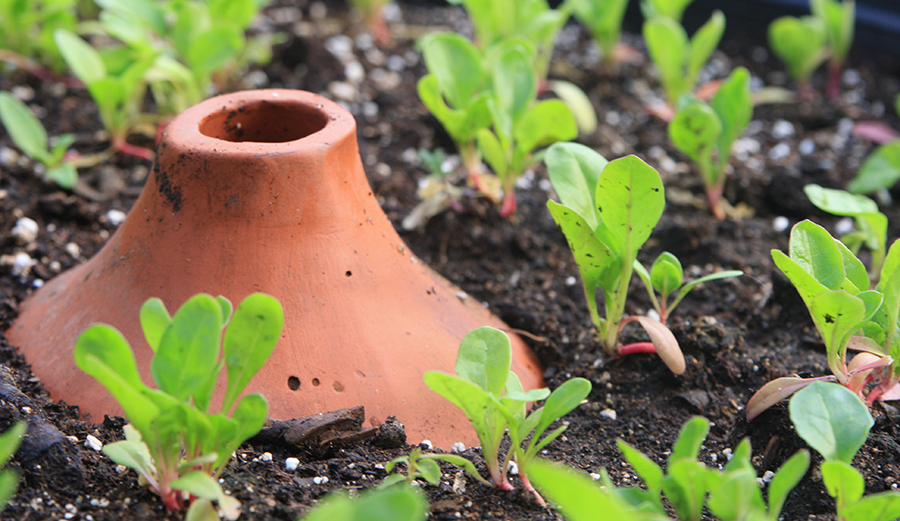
[265, 191]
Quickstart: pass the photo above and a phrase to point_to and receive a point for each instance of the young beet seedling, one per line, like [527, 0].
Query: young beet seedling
[835, 287]
[520, 123]
[835, 422]
[677, 58]
[801, 44]
[666, 276]
[29, 135]
[607, 211]
[706, 132]
[839, 17]
[9, 444]
[424, 466]
[604, 19]
[733, 493]
[492, 398]
[173, 441]
[671, 8]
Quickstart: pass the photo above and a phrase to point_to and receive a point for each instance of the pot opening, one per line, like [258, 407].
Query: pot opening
[264, 122]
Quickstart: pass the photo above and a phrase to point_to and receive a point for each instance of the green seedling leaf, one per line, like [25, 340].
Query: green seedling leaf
[133, 455]
[647, 469]
[799, 43]
[249, 341]
[23, 127]
[839, 17]
[84, 61]
[685, 487]
[665, 343]
[831, 419]
[736, 496]
[703, 43]
[199, 484]
[690, 439]
[706, 278]
[484, 359]
[733, 104]
[10, 441]
[787, 477]
[843, 482]
[669, 48]
[456, 64]
[65, 174]
[578, 497]
[876, 507]
[469, 397]
[574, 170]
[189, 350]
[695, 130]
[155, 320]
[395, 503]
[814, 250]
[881, 170]
[604, 20]
[837, 315]
[578, 102]
[630, 200]
[670, 8]
[545, 123]
[666, 274]
[889, 286]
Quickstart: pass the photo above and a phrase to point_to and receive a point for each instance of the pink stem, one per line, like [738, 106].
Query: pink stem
[509, 204]
[833, 89]
[637, 347]
[134, 150]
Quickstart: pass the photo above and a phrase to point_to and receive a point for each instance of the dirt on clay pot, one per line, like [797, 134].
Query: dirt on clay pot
[737, 334]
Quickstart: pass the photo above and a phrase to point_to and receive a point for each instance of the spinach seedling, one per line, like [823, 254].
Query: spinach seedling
[705, 132]
[839, 17]
[29, 135]
[801, 44]
[425, 466]
[835, 422]
[26, 33]
[603, 19]
[834, 285]
[519, 122]
[677, 58]
[733, 492]
[377, 504]
[493, 399]
[9, 444]
[456, 91]
[118, 92]
[666, 276]
[173, 440]
[871, 224]
[607, 211]
[671, 8]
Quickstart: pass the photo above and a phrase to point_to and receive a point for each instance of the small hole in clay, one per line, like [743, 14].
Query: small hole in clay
[338, 386]
[293, 383]
[315, 382]
[349, 273]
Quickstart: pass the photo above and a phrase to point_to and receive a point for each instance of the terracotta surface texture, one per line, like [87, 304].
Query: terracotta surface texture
[265, 191]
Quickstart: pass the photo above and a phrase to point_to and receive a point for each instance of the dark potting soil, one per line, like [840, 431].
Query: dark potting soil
[737, 334]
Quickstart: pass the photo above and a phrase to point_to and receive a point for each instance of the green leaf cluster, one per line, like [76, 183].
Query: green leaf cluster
[834, 421]
[678, 59]
[839, 17]
[607, 211]
[29, 135]
[425, 466]
[671, 8]
[706, 132]
[27, 27]
[9, 444]
[881, 170]
[603, 19]
[493, 399]
[174, 441]
[800, 42]
[731, 494]
[834, 285]
[871, 224]
[378, 504]
[666, 276]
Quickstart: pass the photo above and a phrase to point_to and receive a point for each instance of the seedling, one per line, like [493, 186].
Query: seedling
[607, 211]
[666, 276]
[881, 170]
[9, 444]
[436, 190]
[378, 504]
[871, 224]
[456, 91]
[835, 422]
[173, 441]
[372, 13]
[118, 93]
[519, 123]
[839, 17]
[671, 8]
[678, 59]
[734, 493]
[26, 33]
[706, 132]
[29, 135]
[604, 20]
[835, 287]
[425, 466]
[492, 398]
[801, 44]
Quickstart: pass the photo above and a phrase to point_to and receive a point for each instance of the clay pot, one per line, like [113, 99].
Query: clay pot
[265, 191]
